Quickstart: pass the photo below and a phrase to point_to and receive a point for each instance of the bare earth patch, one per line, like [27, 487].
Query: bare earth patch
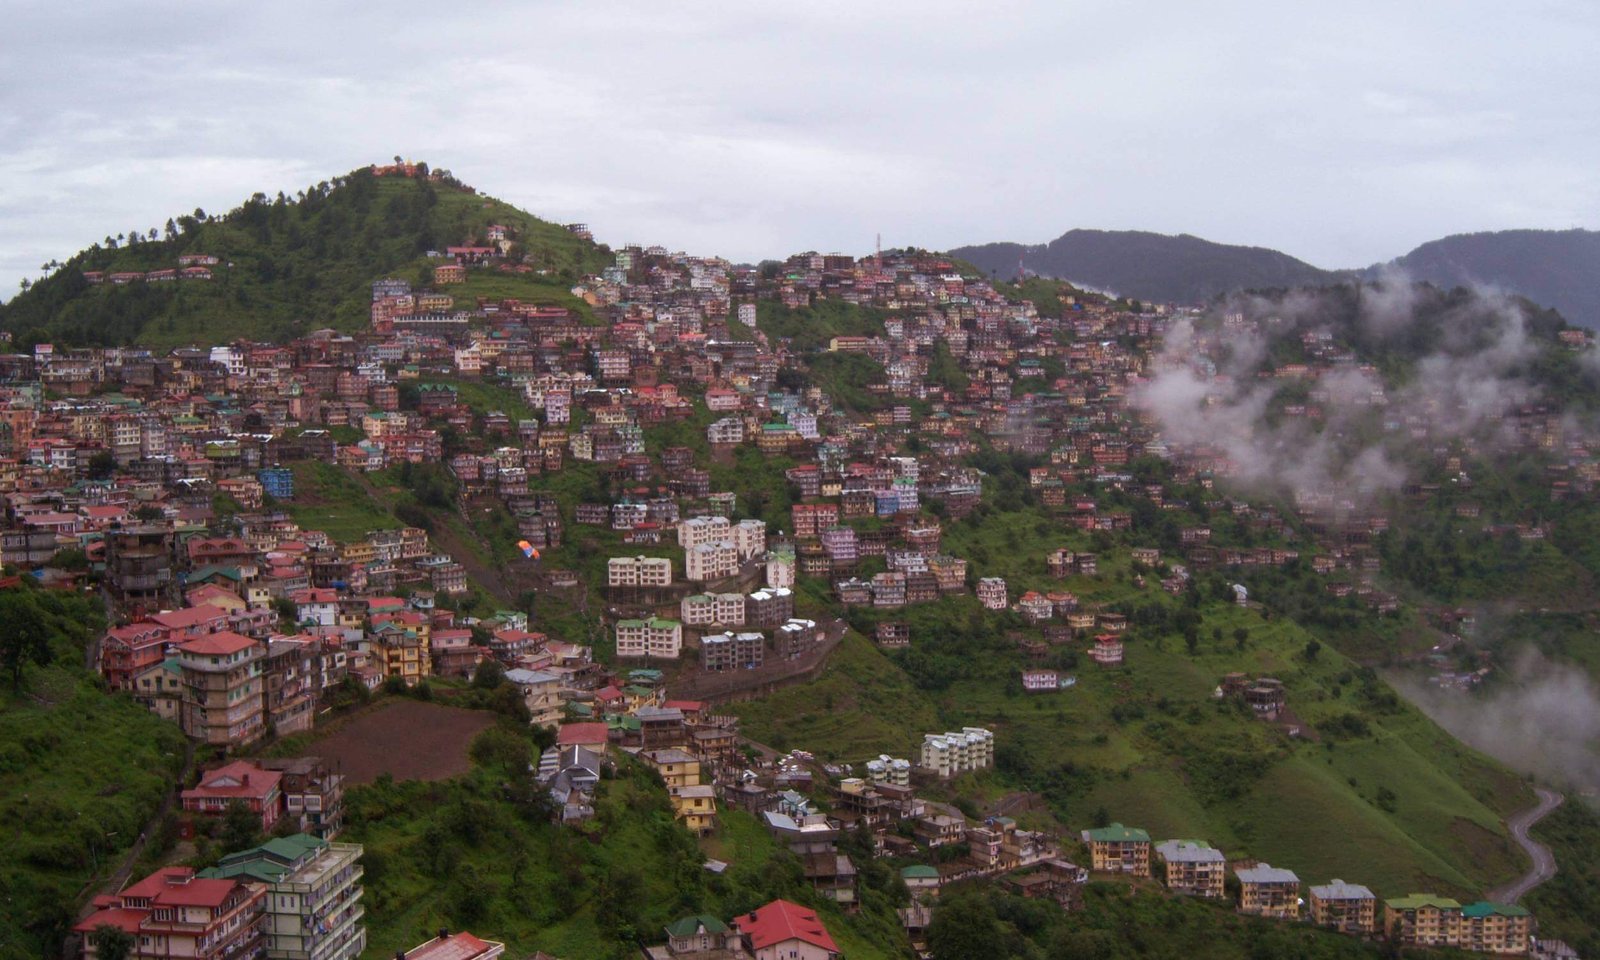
[407, 739]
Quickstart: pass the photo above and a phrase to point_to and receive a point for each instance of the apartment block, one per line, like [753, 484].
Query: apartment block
[313, 904]
[1268, 891]
[1345, 907]
[952, 753]
[711, 561]
[1119, 849]
[649, 638]
[1193, 867]
[639, 572]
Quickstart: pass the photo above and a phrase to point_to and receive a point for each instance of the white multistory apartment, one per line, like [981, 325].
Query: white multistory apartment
[891, 770]
[951, 753]
[728, 430]
[697, 530]
[711, 561]
[639, 572]
[313, 906]
[698, 610]
[649, 638]
[751, 537]
[780, 567]
[992, 593]
[729, 609]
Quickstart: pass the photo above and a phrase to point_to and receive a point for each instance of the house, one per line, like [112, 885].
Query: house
[454, 946]
[241, 781]
[1107, 650]
[921, 880]
[314, 909]
[782, 930]
[1345, 907]
[1119, 849]
[701, 936]
[1193, 867]
[313, 795]
[696, 806]
[992, 593]
[1268, 891]
[175, 915]
[541, 692]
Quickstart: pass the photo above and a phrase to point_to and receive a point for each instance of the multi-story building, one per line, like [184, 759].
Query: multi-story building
[721, 652]
[541, 692]
[1119, 849]
[697, 530]
[313, 795]
[258, 790]
[175, 915]
[313, 903]
[639, 572]
[750, 536]
[1268, 891]
[711, 561]
[1193, 867]
[769, 608]
[949, 754]
[222, 702]
[890, 770]
[1346, 907]
[1422, 920]
[655, 637]
[781, 567]
[992, 593]
[1503, 928]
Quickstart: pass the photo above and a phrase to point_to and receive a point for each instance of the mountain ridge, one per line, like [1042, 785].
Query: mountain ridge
[1551, 267]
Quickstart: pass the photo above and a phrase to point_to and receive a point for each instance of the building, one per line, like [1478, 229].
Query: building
[782, 930]
[639, 572]
[721, 652]
[313, 795]
[1193, 867]
[1118, 849]
[454, 946]
[948, 754]
[313, 905]
[222, 703]
[992, 593]
[1345, 907]
[655, 637]
[277, 482]
[260, 791]
[1504, 928]
[175, 915]
[541, 692]
[1422, 920]
[711, 561]
[1268, 891]
[1107, 650]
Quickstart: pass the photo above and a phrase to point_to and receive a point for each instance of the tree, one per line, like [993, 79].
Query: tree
[111, 942]
[241, 827]
[102, 465]
[26, 637]
[1313, 647]
[490, 674]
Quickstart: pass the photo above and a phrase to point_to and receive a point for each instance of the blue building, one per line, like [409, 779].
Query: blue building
[277, 482]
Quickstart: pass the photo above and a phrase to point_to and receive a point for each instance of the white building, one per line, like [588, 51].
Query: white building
[697, 530]
[891, 770]
[750, 536]
[711, 561]
[952, 753]
[639, 572]
[728, 430]
[780, 567]
[992, 593]
[649, 638]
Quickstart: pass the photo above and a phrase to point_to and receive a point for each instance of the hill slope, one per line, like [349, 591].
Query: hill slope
[288, 265]
[1149, 266]
[1554, 267]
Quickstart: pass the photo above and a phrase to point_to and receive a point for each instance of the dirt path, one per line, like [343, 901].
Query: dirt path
[1544, 862]
[119, 879]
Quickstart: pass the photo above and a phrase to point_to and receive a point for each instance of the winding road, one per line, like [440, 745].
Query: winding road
[1544, 862]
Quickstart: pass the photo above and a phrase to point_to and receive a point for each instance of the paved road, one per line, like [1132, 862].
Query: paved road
[1544, 862]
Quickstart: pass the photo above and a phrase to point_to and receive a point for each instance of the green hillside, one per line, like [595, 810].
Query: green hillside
[80, 774]
[290, 265]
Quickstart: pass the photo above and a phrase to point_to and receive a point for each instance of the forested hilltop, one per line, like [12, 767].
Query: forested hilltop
[286, 264]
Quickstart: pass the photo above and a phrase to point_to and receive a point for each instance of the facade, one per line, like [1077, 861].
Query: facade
[655, 637]
[1118, 849]
[313, 903]
[222, 702]
[639, 572]
[1345, 907]
[721, 652]
[1268, 891]
[711, 561]
[175, 915]
[949, 754]
[1193, 867]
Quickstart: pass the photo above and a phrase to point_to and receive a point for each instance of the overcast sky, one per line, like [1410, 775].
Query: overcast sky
[1342, 133]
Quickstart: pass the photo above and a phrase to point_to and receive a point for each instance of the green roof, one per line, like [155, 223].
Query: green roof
[1485, 908]
[919, 871]
[1418, 900]
[1117, 833]
[688, 926]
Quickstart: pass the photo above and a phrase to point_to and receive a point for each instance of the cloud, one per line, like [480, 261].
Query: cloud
[1544, 721]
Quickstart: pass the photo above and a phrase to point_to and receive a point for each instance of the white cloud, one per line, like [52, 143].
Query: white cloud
[1344, 136]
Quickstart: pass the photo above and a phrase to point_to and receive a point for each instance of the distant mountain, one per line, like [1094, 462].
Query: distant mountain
[1149, 266]
[1557, 268]
[288, 265]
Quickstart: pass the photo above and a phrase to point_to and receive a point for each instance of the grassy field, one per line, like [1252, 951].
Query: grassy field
[328, 498]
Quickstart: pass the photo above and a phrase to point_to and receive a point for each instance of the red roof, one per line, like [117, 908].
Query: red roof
[780, 921]
[126, 920]
[454, 946]
[240, 779]
[577, 734]
[217, 644]
[188, 617]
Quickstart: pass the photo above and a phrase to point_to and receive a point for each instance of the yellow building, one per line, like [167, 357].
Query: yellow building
[1345, 907]
[1268, 891]
[678, 768]
[1422, 920]
[1119, 849]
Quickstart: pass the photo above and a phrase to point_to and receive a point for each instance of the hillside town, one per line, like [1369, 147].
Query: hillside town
[198, 493]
